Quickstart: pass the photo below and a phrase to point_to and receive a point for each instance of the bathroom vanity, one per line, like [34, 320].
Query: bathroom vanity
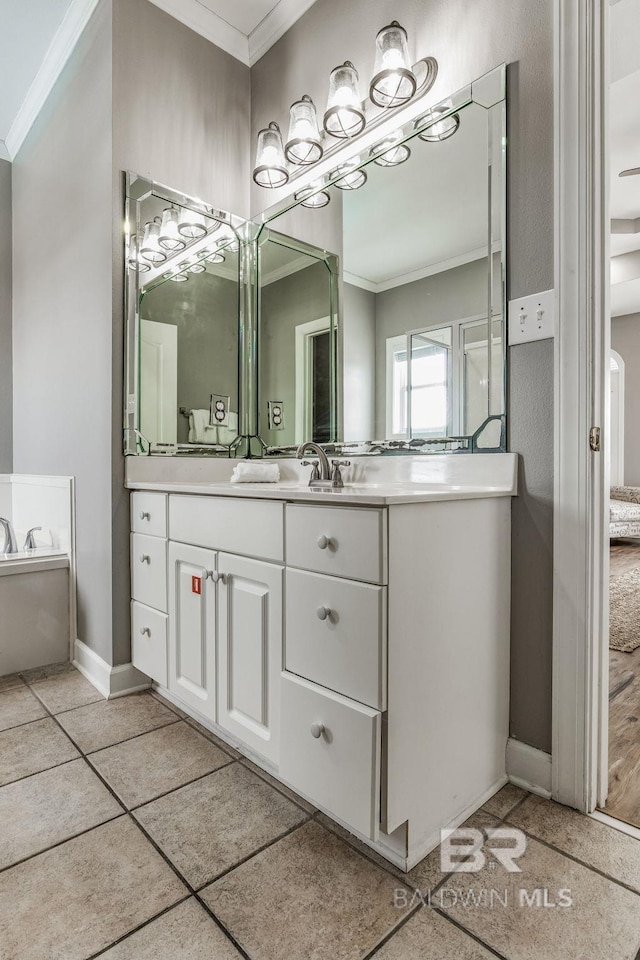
[354, 643]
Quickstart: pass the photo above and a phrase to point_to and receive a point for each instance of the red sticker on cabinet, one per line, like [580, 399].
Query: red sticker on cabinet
[196, 585]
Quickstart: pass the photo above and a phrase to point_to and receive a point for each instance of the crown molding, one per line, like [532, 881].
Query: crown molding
[4, 153]
[428, 271]
[275, 25]
[209, 25]
[60, 49]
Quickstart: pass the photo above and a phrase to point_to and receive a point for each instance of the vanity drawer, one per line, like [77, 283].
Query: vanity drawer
[252, 528]
[149, 513]
[330, 752]
[336, 635]
[342, 541]
[149, 570]
[149, 642]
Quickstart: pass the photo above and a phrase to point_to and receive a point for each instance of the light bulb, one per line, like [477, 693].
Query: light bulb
[270, 169]
[303, 143]
[344, 116]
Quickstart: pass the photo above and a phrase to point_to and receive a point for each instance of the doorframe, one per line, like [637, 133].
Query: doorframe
[580, 620]
[305, 332]
[620, 421]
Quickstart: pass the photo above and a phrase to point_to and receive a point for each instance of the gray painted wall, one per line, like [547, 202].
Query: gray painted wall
[625, 339]
[469, 39]
[359, 362]
[62, 340]
[6, 380]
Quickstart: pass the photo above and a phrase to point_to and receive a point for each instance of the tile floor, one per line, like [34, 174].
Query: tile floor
[131, 833]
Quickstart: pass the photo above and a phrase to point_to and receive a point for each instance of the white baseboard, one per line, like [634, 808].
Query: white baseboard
[529, 768]
[110, 681]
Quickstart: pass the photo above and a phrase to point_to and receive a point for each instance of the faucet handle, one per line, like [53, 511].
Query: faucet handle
[315, 472]
[30, 542]
[336, 476]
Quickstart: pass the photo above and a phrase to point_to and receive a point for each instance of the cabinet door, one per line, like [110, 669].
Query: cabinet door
[250, 652]
[192, 627]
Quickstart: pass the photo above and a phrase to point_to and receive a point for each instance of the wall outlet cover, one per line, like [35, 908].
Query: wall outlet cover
[532, 318]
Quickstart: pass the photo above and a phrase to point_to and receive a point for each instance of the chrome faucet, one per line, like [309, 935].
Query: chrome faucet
[10, 545]
[322, 475]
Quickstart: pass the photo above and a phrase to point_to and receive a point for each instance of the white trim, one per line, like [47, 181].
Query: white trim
[300, 263]
[4, 153]
[55, 59]
[110, 681]
[619, 825]
[209, 25]
[275, 25]
[529, 768]
[620, 403]
[579, 675]
[429, 271]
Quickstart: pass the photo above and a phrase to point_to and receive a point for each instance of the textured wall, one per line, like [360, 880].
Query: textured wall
[62, 309]
[469, 39]
[6, 390]
[625, 339]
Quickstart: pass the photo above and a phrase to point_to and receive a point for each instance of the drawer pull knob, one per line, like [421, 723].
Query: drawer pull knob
[323, 612]
[145, 631]
[324, 542]
[145, 558]
[145, 515]
[214, 576]
[317, 729]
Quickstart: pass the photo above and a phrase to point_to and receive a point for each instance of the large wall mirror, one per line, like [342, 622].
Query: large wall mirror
[422, 270]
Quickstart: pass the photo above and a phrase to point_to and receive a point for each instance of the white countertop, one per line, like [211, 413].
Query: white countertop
[29, 561]
[373, 494]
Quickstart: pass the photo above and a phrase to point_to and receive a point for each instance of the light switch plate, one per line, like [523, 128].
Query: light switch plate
[531, 318]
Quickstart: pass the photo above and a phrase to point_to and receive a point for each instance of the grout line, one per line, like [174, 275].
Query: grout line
[25, 723]
[469, 934]
[187, 783]
[277, 786]
[391, 934]
[38, 772]
[141, 926]
[117, 743]
[59, 843]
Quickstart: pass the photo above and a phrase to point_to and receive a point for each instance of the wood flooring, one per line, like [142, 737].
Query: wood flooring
[623, 801]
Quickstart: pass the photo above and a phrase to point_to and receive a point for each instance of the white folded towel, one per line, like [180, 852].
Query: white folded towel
[200, 430]
[249, 472]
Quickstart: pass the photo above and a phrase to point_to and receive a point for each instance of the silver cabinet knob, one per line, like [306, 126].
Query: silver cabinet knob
[323, 542]
[323, 612]
[145, 515]
[145, 631]
[317, 729]
[212, 575]
[145, 558]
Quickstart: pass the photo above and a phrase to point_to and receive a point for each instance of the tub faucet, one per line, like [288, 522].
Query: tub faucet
[10, 545]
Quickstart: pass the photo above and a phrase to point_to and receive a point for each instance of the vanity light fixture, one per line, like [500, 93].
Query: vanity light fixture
[352, 178]
[216, 257]
[197, 268]
[441, 129]
[394, 82]
[169, 238]
[270, 169]
[191, 225]
[150, 249]
[344, 116]
[313, 196]
[303, 144]
[395, 154]
[179, 278]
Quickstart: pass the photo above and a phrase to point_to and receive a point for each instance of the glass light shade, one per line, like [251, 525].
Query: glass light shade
[191, 225]
[197, 268]
[395, 153]
[352, 178]
[393, 80]
[216, 258]
[169, 238]
[270, 169]
[441, 129]
[135, 262]
[179, 278]
[313, 196]
[150, 249]
[303, 144]
[344, 116]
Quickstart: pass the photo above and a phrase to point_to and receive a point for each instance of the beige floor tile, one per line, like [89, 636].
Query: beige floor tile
[50, 670]
[167, 703]
[11, 680]
[306, 806]
[428, 936]
[186, 932]
[355, 842]
[310, 895]
[211, 736]
[596, 844]
[208, 826]
[33, 748]
[65, 692]
[502, 802]
[155, 763]
[51, 807]
[428, 873]
[602, 921]
[19, 706]
[102, 724]
[78, 898]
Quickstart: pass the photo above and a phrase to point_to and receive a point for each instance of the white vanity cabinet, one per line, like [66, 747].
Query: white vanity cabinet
[149, 621]
[358, 650]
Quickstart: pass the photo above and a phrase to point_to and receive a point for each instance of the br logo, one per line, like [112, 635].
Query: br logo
[461, 849]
